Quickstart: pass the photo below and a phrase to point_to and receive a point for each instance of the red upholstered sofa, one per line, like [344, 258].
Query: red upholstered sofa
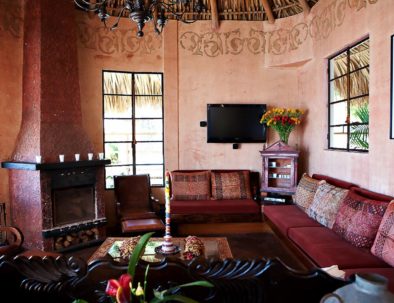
[319, 246]
[217, 211]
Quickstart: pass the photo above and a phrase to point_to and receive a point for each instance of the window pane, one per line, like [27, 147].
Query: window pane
[149, 153]
[359, 110]
[110, 172]
[338, 137]
[359, 55]
[149, 130]
[338, 113]
[338, 65]
[117, 107]
[148, 107]
[359, 82]
[119, 153]
[147, 84]
[118, 130]
[117, 83]
[338, 89]
[359, 137]
[155, 172]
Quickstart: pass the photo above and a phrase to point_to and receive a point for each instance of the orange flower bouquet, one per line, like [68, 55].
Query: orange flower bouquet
[282, 120]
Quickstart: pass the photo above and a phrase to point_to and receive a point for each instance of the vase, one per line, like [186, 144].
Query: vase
[367, 288]
[284, 135]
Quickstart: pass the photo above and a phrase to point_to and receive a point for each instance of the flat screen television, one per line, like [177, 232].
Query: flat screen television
[235, 123]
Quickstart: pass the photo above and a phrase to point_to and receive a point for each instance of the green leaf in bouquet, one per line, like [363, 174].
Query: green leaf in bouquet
[138, 252]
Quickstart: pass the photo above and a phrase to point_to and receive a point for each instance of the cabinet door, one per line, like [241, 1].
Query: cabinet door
[279, 172]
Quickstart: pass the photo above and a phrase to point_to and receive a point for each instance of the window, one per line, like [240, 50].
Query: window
[348, 111]
[133, 125]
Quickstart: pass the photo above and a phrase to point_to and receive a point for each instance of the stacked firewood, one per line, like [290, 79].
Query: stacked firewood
[71, 239]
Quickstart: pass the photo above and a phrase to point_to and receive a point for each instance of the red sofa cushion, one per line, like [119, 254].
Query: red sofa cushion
[358, 219]
[190, 185]
[215, 207]
[230, 185]
[287, 216]
[334, 181]
[386, 272]
[326, 248]
[383, 246]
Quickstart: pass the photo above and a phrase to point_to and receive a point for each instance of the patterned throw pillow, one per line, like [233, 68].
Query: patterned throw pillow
[231, 185]
[190, 185]
[326, 203]
[305, 191]
[358, 219]
[383, 246]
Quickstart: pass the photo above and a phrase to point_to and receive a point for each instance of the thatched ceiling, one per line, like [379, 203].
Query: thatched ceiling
[255, 10]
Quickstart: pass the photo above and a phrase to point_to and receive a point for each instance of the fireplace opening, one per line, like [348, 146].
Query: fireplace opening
[73, 205]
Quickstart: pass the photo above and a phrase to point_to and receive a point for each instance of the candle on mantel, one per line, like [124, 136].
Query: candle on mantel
[168, 246]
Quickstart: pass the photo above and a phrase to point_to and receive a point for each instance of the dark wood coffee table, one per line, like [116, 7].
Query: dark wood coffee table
[216, 247]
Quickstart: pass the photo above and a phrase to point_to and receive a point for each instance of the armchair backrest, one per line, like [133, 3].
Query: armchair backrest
[133, 193]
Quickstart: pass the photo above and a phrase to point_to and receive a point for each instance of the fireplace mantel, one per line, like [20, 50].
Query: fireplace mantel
[54, 165]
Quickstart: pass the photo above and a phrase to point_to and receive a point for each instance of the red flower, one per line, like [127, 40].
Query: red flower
[119, 288]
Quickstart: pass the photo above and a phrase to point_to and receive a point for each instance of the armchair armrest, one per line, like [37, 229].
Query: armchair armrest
[157, 206]
[117, 205]
[13, 241]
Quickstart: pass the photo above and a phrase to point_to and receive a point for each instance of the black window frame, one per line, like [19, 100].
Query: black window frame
[348, 99]
[133, 142]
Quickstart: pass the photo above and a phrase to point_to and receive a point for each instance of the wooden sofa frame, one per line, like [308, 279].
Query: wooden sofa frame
[64, 279]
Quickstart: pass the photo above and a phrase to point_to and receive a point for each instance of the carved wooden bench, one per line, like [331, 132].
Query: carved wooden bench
[63, 279]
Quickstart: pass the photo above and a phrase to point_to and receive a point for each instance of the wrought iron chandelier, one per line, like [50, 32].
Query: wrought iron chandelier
[141, 11]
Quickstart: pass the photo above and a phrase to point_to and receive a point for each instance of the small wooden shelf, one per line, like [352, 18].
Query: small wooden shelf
[279, 169]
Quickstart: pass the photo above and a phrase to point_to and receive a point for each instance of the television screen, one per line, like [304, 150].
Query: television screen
[235, 123]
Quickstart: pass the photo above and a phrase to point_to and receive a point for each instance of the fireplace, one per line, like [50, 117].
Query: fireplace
[58, 206]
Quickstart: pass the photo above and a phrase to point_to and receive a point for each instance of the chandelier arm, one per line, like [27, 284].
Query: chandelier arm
[115, 25]
[80, 3]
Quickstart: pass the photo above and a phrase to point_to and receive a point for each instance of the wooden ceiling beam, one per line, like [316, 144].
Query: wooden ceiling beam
[268, 11]
[214, 15]
[305, 6]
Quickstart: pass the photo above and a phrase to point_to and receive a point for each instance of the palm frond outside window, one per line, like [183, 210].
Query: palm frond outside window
[348, 102]
[133, 125]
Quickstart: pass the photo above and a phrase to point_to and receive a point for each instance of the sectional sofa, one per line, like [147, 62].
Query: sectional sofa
[320, 243]
[214, 196]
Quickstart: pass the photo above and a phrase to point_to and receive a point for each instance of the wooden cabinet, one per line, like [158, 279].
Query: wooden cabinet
[279, 169]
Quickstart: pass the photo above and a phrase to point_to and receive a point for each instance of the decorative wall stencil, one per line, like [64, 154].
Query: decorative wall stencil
[120, 41]
[213, 44]
[11, 20]
[359, 4]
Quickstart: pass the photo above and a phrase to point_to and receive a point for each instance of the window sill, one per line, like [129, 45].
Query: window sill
[347, 151]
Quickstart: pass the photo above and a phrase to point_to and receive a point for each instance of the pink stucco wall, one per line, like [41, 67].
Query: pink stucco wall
[280, 64]
[345, 27]
[11, 58]
[225, 70]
